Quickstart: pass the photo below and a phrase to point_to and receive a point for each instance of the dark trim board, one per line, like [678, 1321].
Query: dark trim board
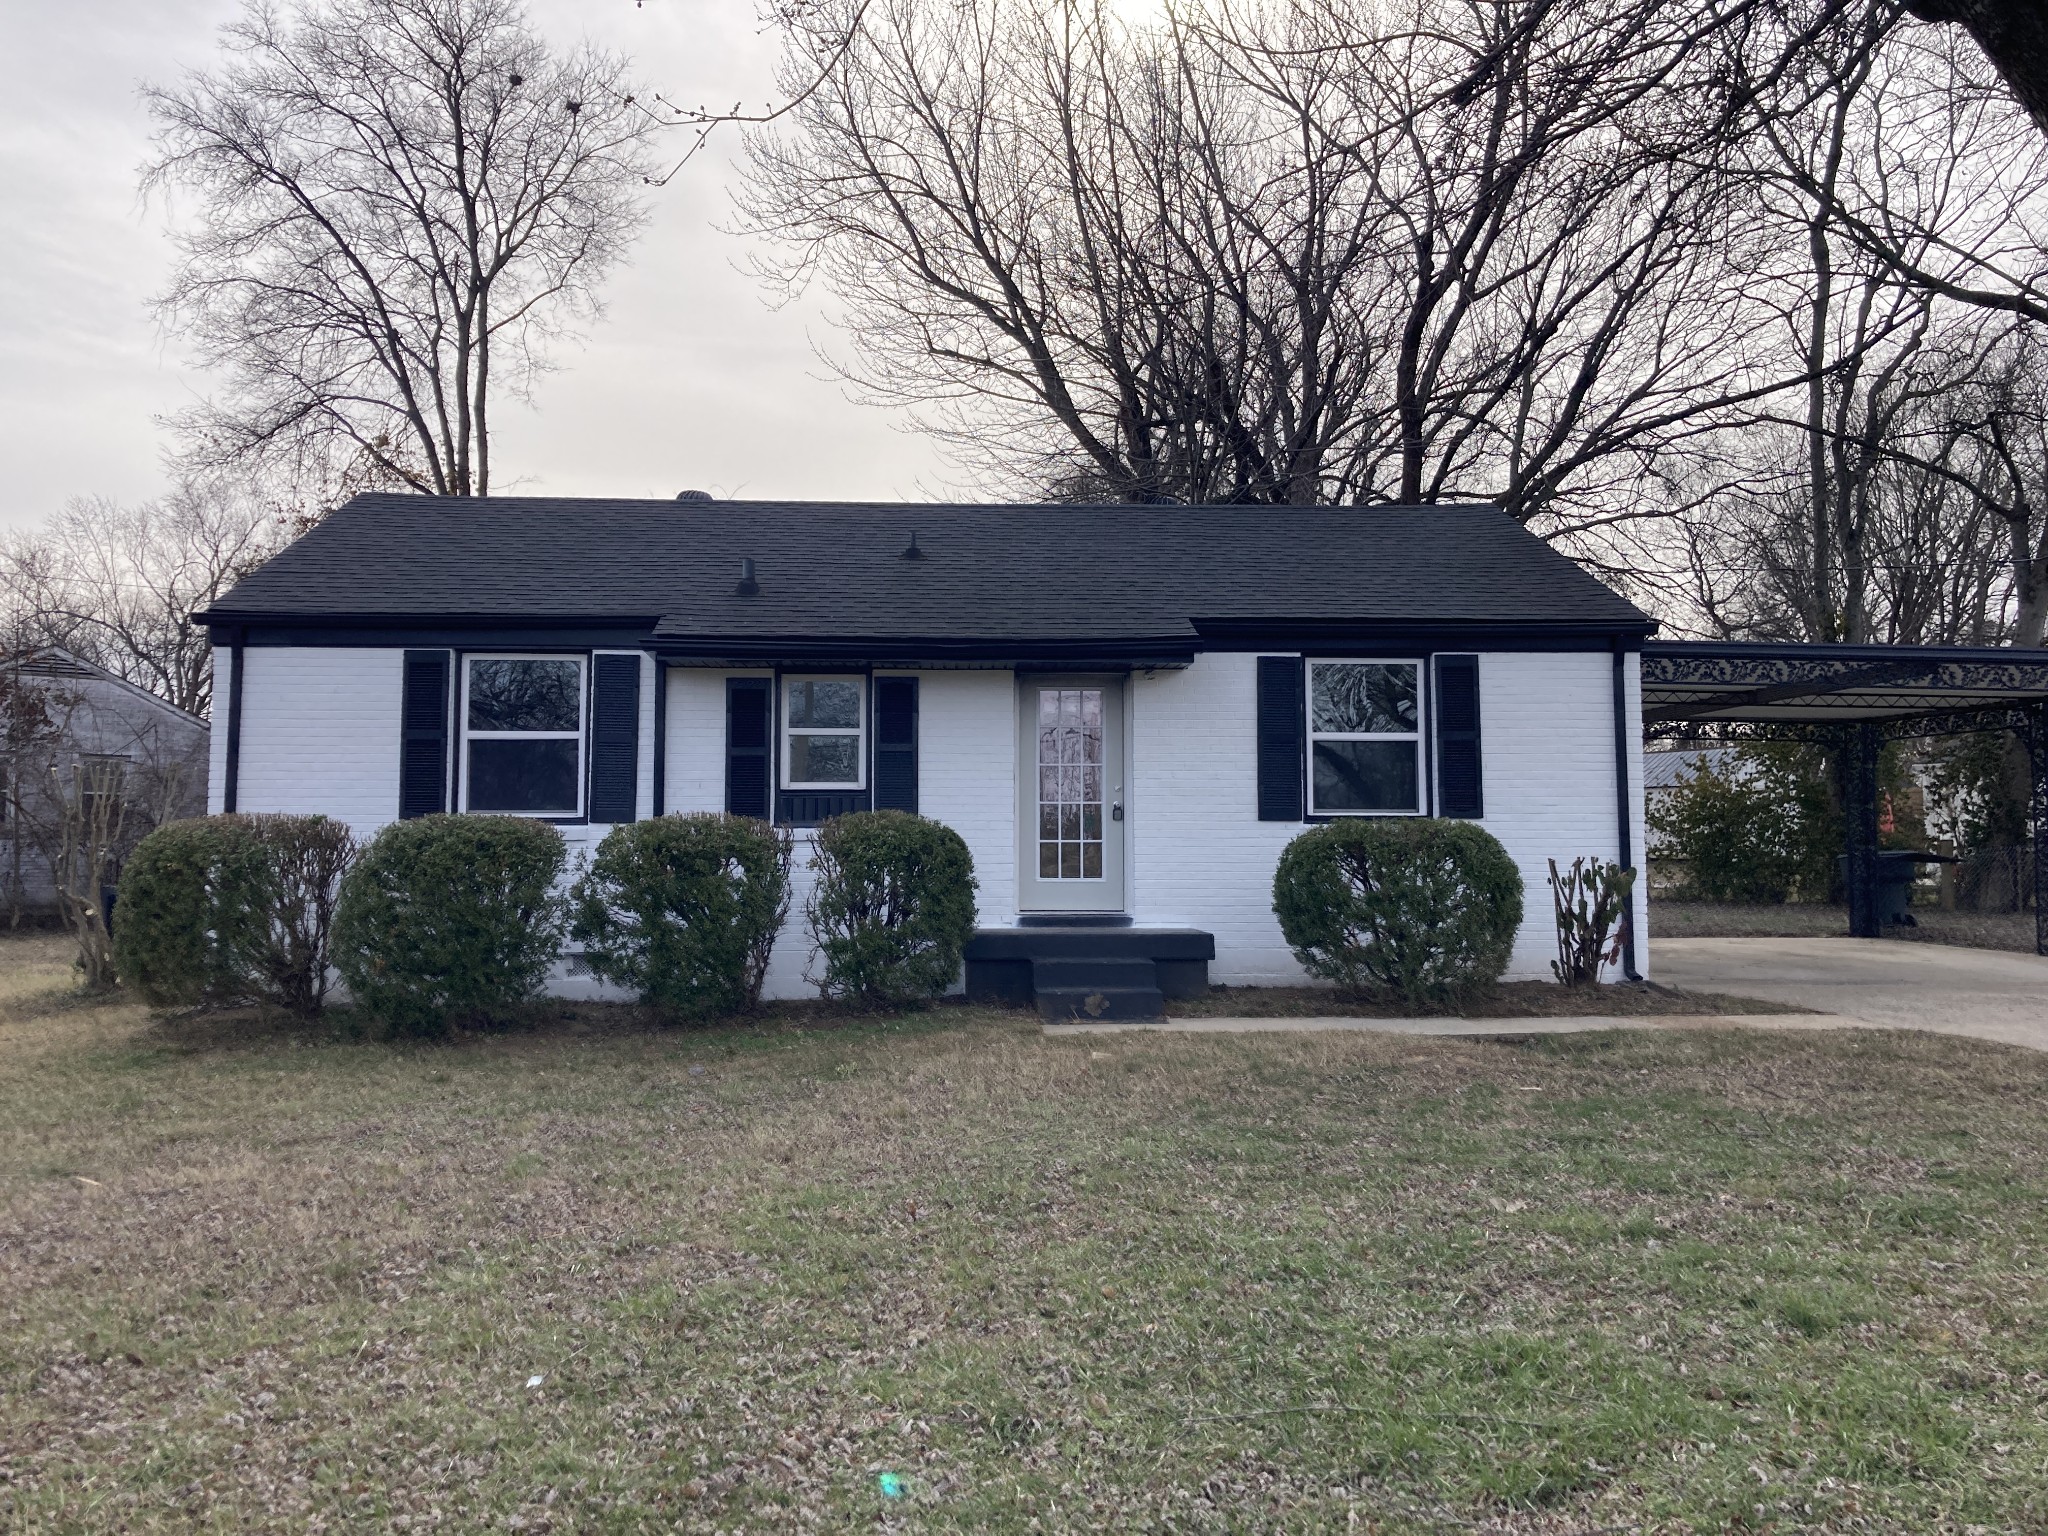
[430, 634]
[231, 774]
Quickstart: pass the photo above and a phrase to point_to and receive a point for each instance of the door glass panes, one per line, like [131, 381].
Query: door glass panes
[1070, 800]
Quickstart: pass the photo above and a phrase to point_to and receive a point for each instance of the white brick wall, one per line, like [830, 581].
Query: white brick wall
[217, 748]
[967, 778]
[320, 732]
[1201, 857]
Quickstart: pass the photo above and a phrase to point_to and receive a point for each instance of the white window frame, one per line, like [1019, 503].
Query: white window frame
[785, 730]
[582, 732]
[1417, 736]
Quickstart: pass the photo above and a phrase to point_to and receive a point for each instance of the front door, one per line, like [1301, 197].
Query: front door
[1071, 794]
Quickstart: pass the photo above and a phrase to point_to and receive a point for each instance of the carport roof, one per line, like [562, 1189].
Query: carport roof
[1708, 682]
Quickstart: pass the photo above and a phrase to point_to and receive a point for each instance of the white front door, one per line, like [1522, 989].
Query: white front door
[1071, 794]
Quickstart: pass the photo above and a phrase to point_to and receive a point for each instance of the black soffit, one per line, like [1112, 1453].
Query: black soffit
[1709, 682]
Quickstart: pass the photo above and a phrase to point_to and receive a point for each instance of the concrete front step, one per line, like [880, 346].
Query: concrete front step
[1003, 964]
[1068, 1005]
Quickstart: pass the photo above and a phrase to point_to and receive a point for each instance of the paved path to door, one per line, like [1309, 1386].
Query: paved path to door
[1992, 994]
[1885, 983]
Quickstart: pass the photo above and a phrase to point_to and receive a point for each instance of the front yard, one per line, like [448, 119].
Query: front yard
[944, 1273]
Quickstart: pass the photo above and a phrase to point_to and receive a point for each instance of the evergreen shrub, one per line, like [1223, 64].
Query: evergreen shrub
[226, 909]
[450, 920]
[892, 909]
[684, 910]
[188, 913]
[1425, 908]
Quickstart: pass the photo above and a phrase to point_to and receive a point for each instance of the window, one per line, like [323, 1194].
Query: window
[824, 721]
[522, 746]
[1365, 737]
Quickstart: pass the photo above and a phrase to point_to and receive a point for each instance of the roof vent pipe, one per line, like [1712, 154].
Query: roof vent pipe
[748, 586]
[913, 553]
[693, 496]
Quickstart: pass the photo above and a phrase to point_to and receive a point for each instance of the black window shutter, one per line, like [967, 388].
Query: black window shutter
[1458, 782]
[746, 746]
[1281, 738]
[423, 734]
[614, 738]
[896, 744]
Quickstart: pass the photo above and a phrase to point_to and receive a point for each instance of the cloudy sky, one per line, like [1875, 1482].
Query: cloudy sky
[690, 380]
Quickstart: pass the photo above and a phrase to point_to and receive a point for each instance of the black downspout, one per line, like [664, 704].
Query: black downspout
[231, 776]
[2037, 763]
[1624, 821]
[660, 737]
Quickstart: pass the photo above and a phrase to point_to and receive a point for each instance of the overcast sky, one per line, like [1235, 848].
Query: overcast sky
[691, 380]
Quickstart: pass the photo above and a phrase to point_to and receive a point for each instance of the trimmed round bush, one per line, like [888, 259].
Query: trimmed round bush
[189, 923]
[684, 910]
[1425, 908]
[893, 907]
[450, 920]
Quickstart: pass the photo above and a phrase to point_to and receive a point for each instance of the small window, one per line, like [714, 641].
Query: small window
[1365, 738]
[522, 748]
[824, 725]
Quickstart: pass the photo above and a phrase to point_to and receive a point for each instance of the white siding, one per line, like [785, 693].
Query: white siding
[217, 748]
[320, 732]
[1201, 857]
[967, 778]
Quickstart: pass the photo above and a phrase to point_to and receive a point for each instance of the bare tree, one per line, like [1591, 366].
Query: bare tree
[2014, 37]
[1428, 251]
[400, 204]
[118, 585]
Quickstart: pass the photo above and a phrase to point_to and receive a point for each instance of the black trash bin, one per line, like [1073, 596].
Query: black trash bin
[1897, 868]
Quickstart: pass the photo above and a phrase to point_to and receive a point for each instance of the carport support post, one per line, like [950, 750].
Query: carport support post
[2037, 778]
[1859, 826]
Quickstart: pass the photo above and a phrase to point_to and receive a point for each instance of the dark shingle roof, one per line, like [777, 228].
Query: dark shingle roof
[835, 571]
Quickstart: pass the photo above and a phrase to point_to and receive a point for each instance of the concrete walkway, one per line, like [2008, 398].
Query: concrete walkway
[1464, 1029]
[1988, 994]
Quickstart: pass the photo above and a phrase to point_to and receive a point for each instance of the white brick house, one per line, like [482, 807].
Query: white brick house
[1204, 682]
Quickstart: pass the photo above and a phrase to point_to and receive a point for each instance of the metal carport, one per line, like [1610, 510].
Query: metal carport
[1854, 698]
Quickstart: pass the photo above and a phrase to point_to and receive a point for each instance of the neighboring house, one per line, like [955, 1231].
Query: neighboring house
[1126, 711]
[88, 765]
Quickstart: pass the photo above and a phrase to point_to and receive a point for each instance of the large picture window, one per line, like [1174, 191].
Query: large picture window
[522, 740]
[824, 730]
[1365, 738]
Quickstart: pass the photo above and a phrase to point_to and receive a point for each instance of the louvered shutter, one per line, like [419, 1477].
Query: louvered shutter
[1459, 787]
[746, 746]
[1281, 739]
[423, 734]
[614, 738]
[896, 744]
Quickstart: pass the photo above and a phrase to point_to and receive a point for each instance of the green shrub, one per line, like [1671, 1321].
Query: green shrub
[1766, 831]
[893, 907]
[1427, 908]
[450, 919]
[188, 917]
[227, 909]
[684, 910]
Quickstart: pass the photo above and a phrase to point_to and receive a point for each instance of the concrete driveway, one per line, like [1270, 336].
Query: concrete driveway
[1988, 993]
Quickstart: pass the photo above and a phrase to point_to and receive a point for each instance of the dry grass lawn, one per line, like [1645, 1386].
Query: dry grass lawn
[602, 1277]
